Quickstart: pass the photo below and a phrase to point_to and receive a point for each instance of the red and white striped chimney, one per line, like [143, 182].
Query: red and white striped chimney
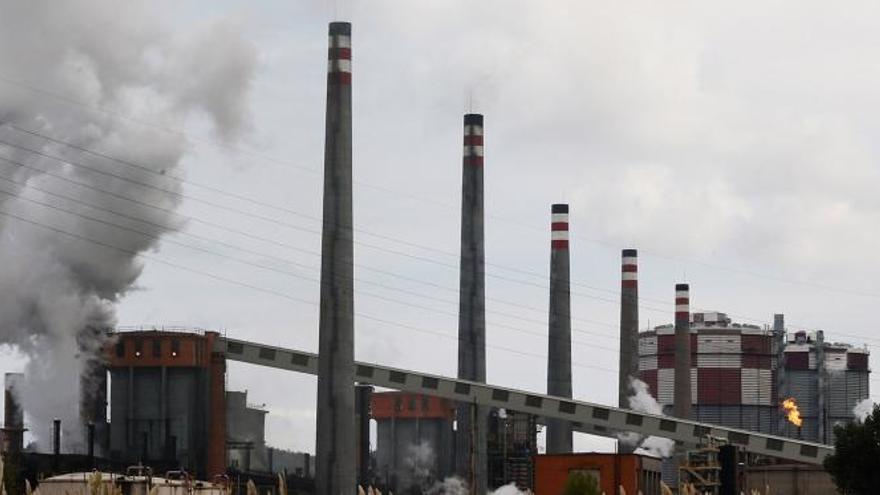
[629, 325]
[559, 436]
[682, 397]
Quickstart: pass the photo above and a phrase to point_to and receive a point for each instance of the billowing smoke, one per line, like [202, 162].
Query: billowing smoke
[111, 78]
[457, 486]
[420, 460]
[863, 409]
[641, 400]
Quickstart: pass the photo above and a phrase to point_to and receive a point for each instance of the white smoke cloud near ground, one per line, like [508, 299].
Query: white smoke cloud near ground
[95, 54]
[863, 409]
[641, 400]
[457, 486]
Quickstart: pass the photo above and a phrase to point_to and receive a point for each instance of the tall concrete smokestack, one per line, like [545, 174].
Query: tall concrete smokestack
[13, 418]
[559, 351]
[335, 444]
[682, 399]
[629, 332]
[629, 325]
[471, 460]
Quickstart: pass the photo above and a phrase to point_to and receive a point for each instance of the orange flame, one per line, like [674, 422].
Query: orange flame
[792, 414]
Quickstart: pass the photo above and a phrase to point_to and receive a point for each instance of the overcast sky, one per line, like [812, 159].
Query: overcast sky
[734, 146]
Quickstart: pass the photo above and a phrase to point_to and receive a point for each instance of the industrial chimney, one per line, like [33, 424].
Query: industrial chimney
[335, 442]
[559, 351]
[13, 418]
[629, 325]
[629, 332]
[682, 399]
[472, 421]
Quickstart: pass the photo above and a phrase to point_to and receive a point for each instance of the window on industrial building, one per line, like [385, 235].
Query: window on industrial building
[120, 349]
[157, 348]
[426, 403]
[138, 348]
[412, 403]
[398, 404]
[175, 348]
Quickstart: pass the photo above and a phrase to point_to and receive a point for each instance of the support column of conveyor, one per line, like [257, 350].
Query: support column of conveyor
[585, 416]
[335, 456]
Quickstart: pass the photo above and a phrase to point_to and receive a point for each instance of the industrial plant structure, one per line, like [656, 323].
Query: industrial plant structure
[826, 380]
[414, 442]
[735, 376]
[168, 400]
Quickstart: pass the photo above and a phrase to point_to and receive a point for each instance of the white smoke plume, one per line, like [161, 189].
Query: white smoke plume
[863, 409]
[420, 460]
[641, 400]
[457, 486]
[71, 70]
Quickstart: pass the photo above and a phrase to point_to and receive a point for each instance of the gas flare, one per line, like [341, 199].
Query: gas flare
[792, 413]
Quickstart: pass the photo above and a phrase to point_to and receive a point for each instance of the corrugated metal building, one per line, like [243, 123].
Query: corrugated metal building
[827, 380]
[414, 440]
[734, 377]
[168, 400]
[512, 444]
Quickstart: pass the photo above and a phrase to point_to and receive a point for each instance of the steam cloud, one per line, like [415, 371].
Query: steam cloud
[863, 409]
[641, 400]
[456, 486]
[97, 54]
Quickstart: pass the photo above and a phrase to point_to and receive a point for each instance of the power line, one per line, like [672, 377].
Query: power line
[180, 195]
[313, 218]
[226, 148]
[275, 292]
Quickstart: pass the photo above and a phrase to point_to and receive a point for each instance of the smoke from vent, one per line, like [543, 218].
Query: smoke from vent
[642, 401]
[863, 409]
[70, 70]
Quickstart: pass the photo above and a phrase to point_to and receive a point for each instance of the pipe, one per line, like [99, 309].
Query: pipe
[781, 379]
[91, 444]
[682, 398]
[471, 459]
[559, 432]
[363, 397]
[335, 437]
[13, 419]
[56, 443]
[821, 372]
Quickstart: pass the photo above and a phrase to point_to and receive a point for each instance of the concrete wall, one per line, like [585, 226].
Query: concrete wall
[157, 408]
[789, 480]
[245, 425]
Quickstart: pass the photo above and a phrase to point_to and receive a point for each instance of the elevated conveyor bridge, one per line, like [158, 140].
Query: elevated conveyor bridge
[587, 417]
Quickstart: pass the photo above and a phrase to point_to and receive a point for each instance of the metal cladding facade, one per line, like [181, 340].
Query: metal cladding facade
[336, 455]
[168, 400]
[414, 440]
[682, 355]
[629, 325]
[559, 432]
[826, 380]
[741, 373]
[472, 421]
[13, 417]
